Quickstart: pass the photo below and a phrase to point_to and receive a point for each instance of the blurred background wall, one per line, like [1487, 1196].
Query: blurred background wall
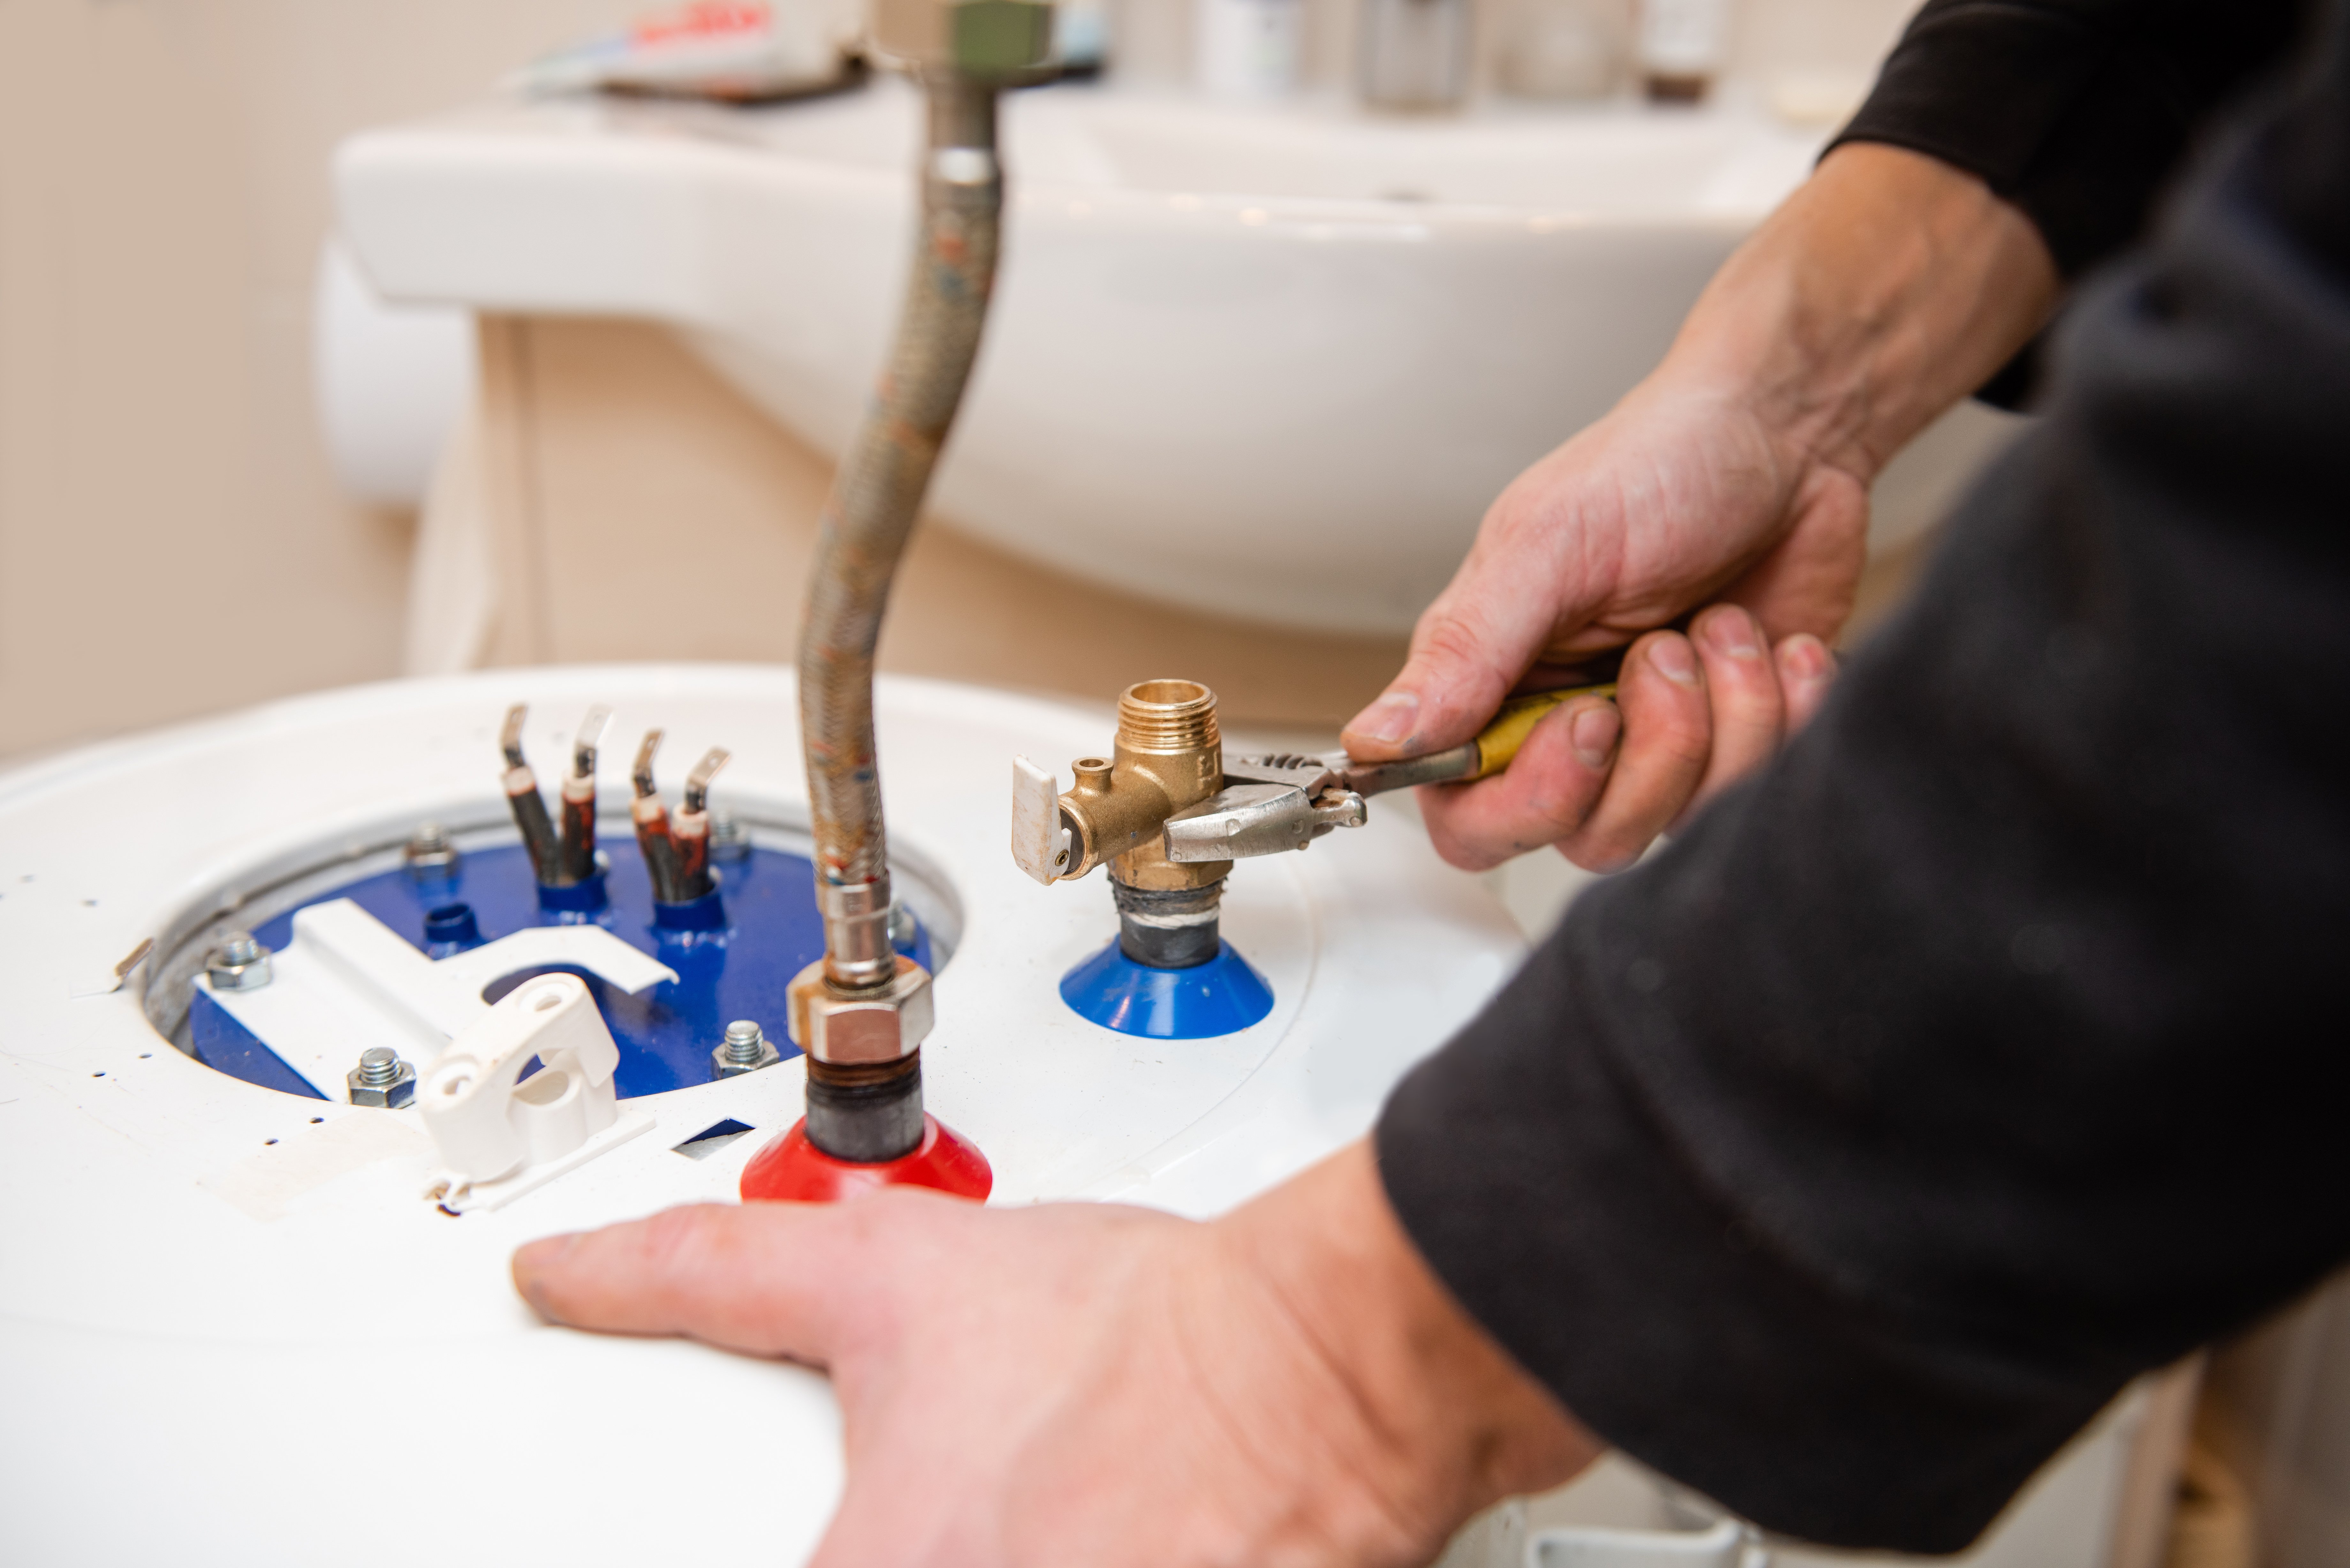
[171, 542]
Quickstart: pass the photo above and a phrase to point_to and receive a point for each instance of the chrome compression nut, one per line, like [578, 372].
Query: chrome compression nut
[745, 1049]
[239, 963]
[883, 1025]
[382, 1079]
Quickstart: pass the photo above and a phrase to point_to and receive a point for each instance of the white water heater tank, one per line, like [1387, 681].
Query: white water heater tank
[246, 1320]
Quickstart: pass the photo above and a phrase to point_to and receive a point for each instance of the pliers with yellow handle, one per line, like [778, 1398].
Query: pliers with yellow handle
[1271, 803]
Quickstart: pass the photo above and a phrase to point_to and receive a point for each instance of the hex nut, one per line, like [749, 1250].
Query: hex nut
[430, 853]
[724, 1063]
[239, 963]
[728, 841]
[389, 1096]
[883, 1027]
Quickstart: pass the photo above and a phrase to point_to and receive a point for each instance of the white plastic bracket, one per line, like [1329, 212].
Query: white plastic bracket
[500, 1135]
[348, 981]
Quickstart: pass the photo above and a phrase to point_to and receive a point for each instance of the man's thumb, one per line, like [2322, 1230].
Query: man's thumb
[1458, 673]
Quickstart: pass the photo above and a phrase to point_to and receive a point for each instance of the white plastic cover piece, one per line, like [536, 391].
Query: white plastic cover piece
[500, 1135]
[348, 981]
[1040, 845]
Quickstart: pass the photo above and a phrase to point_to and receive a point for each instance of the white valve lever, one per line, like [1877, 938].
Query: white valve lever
[1040, 844]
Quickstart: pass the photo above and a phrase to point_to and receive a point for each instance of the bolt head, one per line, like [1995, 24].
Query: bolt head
[430, 852]
[389, 1096]
[724, 1063]
[239, 963]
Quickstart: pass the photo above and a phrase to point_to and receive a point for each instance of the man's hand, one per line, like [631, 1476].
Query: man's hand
[1087, 1383]
[1702, 710]
[1885, 289]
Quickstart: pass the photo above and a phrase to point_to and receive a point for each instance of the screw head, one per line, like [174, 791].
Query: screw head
[239, 963]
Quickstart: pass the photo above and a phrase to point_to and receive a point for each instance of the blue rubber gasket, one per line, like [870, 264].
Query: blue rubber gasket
[583, 898]
[767, 928]
[1221, 996]
[707, 913]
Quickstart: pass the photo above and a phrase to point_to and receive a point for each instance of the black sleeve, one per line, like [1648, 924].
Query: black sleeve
[2078, 111]
[1988, 1048]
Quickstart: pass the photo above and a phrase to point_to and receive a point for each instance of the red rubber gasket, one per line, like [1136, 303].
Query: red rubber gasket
[793, 1170]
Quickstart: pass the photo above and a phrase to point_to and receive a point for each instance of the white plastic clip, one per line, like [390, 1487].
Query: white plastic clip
[499, 1138]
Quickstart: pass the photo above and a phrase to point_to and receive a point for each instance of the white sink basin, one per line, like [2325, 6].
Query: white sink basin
[1273, 362]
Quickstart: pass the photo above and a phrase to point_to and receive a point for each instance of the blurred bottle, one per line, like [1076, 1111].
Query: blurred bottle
[1413, 55]
[1248, 49]
[738, 50]
[1567, 49]
[1081, 38]
[1682, 46]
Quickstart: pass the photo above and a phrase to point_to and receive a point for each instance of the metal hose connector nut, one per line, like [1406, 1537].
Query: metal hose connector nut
[876, 1023]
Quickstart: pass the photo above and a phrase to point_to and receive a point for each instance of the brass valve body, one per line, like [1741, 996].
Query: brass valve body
[1169, 754]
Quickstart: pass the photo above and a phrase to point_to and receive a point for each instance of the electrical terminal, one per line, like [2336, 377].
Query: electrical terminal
[689, 829]
[568, 859]
[524, 800]
[651, 820]
[577, 849]
[677, 847]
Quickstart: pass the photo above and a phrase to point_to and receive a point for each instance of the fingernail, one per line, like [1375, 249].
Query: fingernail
[1673, 660]
[1594, 731]
[1732, 631]
[1806, 657]
[1391, 718]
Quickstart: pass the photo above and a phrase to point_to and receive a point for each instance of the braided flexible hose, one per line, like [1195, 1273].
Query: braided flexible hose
[871, 511]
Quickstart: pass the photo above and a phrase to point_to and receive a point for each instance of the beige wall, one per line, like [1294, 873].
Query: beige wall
[171, 542]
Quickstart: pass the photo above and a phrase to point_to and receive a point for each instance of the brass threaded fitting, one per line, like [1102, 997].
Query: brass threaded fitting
[1167, 716]
[1168, 755]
